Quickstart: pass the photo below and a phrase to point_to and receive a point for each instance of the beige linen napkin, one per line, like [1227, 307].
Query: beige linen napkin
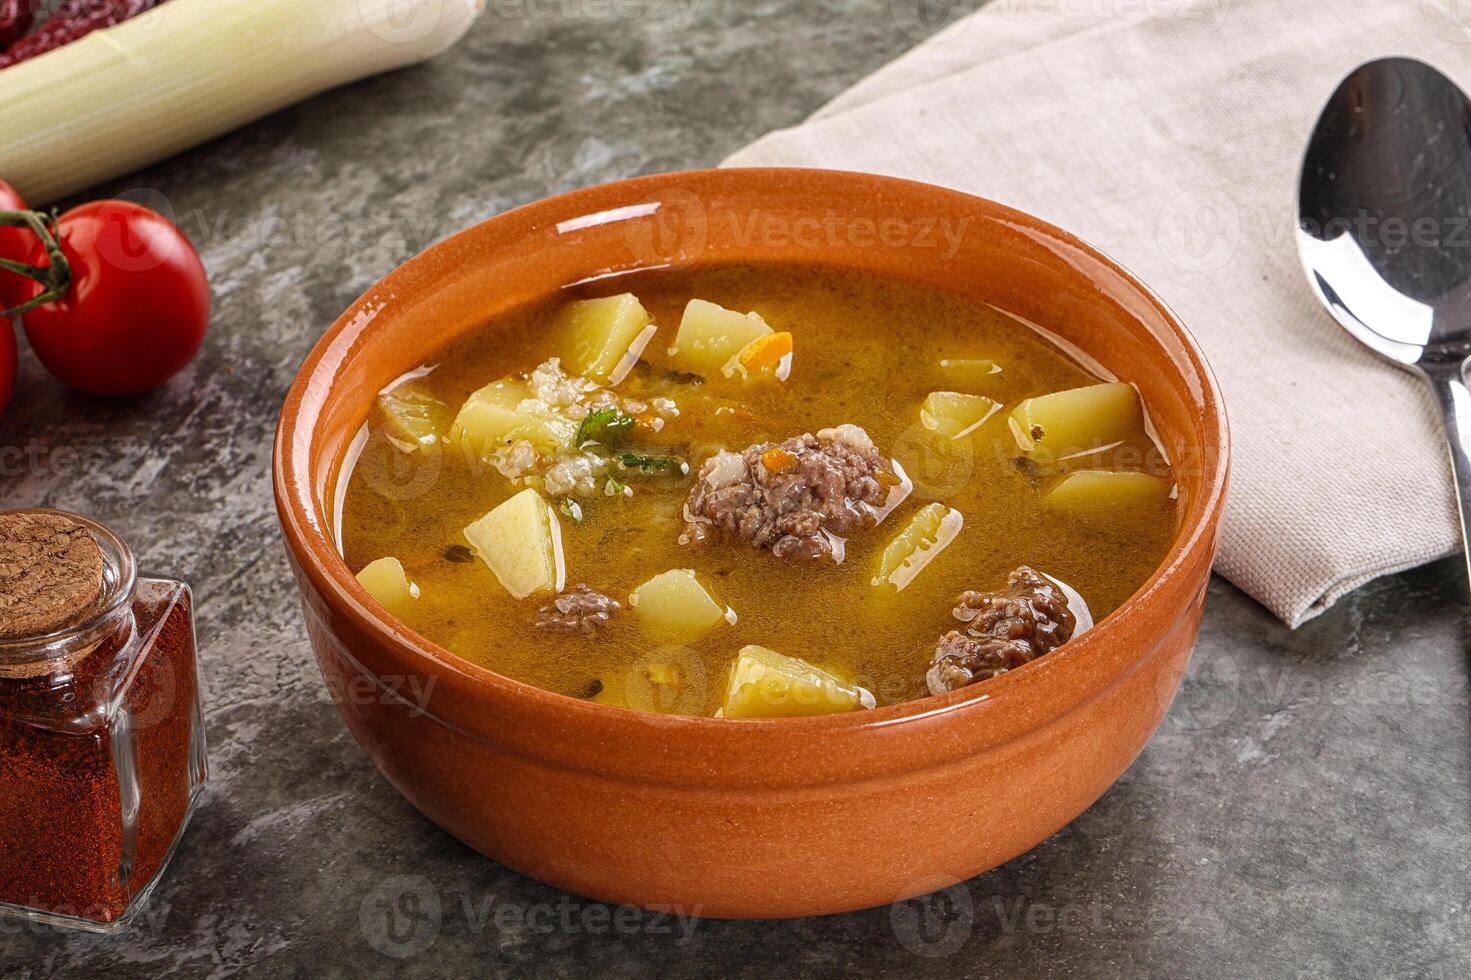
[1169, 133]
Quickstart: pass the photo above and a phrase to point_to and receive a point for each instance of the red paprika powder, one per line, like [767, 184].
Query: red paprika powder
[101, 733]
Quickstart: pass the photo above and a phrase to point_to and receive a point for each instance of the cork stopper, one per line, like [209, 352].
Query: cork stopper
[51, 574]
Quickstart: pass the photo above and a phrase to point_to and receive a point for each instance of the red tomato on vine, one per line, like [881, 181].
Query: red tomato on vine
[116, 300]
[14, 244]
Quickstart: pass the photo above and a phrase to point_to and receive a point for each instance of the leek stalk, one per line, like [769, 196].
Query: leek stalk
[189, 70]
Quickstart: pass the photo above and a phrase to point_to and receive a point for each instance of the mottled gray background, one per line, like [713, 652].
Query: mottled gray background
[1303, 811]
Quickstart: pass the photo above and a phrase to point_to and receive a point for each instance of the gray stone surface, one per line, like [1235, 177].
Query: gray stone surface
[1303, 811]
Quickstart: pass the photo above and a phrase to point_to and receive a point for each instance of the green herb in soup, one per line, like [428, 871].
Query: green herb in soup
[756, 492]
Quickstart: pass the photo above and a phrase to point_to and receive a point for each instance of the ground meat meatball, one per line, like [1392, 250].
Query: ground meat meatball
[1003, 630]
[578, 610]
[784, 496]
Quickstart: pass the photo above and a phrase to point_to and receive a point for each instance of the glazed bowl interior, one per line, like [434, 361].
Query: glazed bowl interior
[888, 227]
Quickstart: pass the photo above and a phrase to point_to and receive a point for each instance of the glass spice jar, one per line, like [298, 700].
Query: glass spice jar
[101, 734]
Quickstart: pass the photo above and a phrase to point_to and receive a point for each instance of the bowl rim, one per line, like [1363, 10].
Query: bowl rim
[306, 534]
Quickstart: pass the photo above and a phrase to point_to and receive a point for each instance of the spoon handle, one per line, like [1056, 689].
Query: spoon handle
[1455, 405]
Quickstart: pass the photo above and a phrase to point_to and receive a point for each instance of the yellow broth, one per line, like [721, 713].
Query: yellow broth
[867, 351]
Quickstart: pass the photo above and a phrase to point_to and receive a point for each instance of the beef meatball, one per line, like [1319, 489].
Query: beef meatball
[1002, 630]
[578, 610]
[791, 496]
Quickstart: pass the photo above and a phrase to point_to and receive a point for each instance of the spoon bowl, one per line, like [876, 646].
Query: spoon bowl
[1384, 228]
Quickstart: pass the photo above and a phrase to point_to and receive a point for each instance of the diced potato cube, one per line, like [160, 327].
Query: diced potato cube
[500, 414]
[1075, 422]
[676, 607]
[595, 336]
[413, 419]
[766, 684]
[1100, 492]
[710, 335]
[954, 415]
[488, 418]
[928, 533]
[521, 542]
[765, 357]
[969, 374]
[386, 581]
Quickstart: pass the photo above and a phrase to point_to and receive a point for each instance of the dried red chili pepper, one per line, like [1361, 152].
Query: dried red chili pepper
[15, 19]
[74, 19]
[101, 736]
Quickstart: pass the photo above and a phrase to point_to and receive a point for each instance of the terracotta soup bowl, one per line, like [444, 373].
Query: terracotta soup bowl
[758, 819]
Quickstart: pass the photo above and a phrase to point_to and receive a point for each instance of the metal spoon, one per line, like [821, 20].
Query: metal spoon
[1384, 230]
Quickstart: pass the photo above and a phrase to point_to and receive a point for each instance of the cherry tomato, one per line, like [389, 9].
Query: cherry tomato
[7, 363]
[138, 303]
[14, 244]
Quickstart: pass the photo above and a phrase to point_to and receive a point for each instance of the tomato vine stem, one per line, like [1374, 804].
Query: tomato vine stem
[55, 277]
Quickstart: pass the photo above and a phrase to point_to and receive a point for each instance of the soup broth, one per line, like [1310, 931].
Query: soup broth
[864, 351]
